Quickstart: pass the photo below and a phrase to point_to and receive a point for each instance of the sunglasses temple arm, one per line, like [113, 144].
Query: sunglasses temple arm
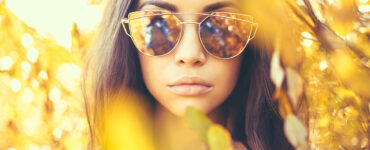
[255, 27]
[124, 27]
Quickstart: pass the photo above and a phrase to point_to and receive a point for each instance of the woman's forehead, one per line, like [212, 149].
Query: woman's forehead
[188, 5]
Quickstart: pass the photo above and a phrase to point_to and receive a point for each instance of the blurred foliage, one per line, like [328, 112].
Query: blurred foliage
[41, 106]
[127, 123]
[320, 67]
[215, 135]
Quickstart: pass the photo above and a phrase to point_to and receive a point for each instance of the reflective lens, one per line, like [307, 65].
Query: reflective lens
[154, 33]
[225, 35]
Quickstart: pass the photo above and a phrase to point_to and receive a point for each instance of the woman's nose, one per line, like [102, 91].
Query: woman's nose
[189, 50]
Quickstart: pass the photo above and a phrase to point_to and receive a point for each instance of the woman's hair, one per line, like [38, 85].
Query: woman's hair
[113, 65]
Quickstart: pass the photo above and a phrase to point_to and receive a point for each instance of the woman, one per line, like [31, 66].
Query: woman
[180, 54]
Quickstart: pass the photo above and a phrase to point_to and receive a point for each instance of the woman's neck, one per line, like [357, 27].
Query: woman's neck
[171, 131]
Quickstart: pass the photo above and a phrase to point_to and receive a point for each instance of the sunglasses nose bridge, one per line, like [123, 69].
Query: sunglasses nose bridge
[189, 49]
[190, 22]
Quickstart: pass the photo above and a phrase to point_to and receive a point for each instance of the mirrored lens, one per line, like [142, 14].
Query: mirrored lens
[154, 33]
[225, 35]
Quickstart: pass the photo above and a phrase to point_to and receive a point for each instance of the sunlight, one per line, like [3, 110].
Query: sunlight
[56, 17]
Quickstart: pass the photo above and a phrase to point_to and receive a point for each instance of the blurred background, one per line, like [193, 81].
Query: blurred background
[43, 43]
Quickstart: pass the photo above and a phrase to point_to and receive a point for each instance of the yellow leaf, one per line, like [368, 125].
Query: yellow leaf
[127, 124]
[284, 105]
[295, 132]
[341, 16]
[197, 121]
[295, 85]
[219, 138]
[277, 72]
[350, 72]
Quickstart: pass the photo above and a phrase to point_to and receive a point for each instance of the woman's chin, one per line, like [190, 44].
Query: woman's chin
[179, 108]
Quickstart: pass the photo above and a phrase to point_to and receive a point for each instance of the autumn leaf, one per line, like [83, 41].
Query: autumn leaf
[350, 72]
[277, 72]
[219, 138]
[216, 136]
[285, 108]
[126, 123]
[295, 85]
[197, 121]
[295, 132]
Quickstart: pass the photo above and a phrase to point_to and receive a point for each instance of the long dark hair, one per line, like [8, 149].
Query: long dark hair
[113, 64]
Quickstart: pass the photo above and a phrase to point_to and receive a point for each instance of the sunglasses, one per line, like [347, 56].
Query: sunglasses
[223, 35]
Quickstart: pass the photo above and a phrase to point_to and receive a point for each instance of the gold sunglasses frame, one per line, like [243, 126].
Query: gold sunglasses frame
[254, 27]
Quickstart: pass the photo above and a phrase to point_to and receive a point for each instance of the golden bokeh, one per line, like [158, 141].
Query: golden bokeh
[321, 71]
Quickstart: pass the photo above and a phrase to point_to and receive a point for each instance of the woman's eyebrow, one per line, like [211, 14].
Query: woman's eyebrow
[218, 5]
[173, 8]
[160, 4]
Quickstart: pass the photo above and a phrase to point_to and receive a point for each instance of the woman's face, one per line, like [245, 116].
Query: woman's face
[188, 75]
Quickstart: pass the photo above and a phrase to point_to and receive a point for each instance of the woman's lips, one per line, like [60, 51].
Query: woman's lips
[190, 86]
[190, 90]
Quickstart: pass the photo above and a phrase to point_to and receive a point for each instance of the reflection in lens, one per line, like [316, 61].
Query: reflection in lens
[155, 34]
[224, 37]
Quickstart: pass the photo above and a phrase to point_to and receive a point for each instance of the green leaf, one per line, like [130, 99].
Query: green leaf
[197, 121]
